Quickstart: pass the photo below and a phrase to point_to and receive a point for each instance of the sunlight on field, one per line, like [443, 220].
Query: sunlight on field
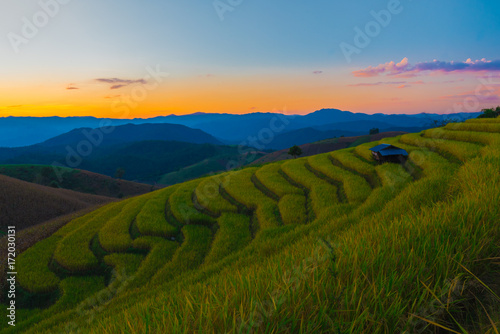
[328, 243]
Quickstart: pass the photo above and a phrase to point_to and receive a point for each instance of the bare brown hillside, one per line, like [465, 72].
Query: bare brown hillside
[24, 204]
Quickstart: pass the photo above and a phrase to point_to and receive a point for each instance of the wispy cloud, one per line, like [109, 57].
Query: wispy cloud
[453, 81]
[404, 69]
[487, 95]
[117, 83]
[318, 72]
[71, 86]
[380, 83]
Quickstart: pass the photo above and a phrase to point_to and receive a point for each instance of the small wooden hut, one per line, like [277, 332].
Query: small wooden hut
[389, 153]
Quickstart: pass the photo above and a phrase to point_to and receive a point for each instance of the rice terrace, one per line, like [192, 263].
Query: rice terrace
[248, 167]
[328, 243]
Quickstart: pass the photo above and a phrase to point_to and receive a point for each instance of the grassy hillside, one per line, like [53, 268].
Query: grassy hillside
[212, 164]
[143, 161]
[331, 243]
[75, 179]
[24, 204]
[326, 145]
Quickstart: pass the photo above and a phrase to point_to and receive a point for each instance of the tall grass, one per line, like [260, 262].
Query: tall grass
[233, 235]
[292, 202]
[35, 276]
[151, 219]
[73, 251]
[189, 256]
[270, 177]
[293, 209]
[208, 195]
[356, 188]
[449, 148]
[466, 136]
[346, 158]
[364, 152]
[74, 290]
[491, 127]
[322, 193]
[242, 189]
[115, 234]
[182, 207]
[160, 252]
[412, 255]
[369, 286]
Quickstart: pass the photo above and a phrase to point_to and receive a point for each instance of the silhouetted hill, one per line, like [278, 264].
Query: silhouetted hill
[303, 136]
[130, 133]
[23, 131]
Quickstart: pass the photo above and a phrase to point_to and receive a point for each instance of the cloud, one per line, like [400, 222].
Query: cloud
[390, 67]
[112, 96]
[378, 83]
[404, 86]
[117, 83]
[487, 95]
[453, 81]
[404, 69]
[318, 72]
[71, 86]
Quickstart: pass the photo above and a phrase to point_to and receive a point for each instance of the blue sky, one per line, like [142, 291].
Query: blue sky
[257, 42]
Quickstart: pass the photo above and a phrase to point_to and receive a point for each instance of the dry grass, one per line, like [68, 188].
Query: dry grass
[23, 204]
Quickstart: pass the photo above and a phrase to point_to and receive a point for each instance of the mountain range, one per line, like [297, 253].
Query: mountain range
[225, 128]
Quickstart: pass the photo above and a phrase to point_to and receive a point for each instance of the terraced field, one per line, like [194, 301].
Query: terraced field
[328, 243]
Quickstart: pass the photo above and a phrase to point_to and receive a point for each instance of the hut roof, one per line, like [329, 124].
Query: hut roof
[386, 150]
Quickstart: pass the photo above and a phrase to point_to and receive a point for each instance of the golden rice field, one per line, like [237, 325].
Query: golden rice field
[332, 243]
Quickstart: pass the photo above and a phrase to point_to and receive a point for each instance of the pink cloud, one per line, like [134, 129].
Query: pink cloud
[390, 67]
[404, 69]
[484, 95]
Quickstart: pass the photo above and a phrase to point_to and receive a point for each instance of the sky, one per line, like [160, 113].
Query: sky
[129, 59]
